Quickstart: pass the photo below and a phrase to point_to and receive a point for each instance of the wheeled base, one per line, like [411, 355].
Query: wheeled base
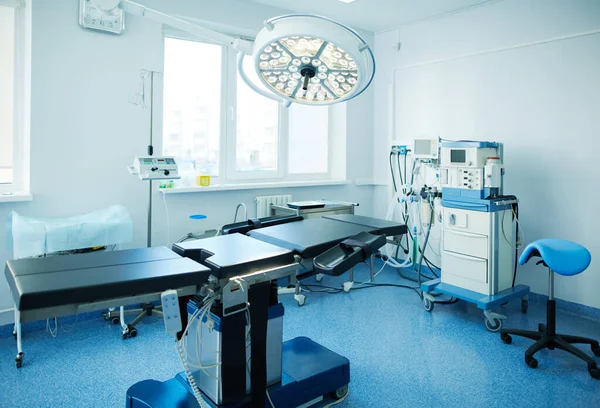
[310, 372]
[129, 330]
[493, 320]
[546, 337]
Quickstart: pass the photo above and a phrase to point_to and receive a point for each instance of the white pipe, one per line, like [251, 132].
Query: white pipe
[253, 86]
[181, 24]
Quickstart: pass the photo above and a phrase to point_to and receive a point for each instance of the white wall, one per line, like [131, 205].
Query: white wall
[84, 132]
[549, 122]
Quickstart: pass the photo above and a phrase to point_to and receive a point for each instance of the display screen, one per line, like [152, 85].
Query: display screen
[147, 161]
[169, 160]
[458, 156]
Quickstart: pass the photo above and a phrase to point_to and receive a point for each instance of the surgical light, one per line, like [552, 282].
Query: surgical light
[299, 58]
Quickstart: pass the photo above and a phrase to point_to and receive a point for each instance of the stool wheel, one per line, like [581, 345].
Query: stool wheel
[594, 372]
[531, 362]
[596, 351]
[506, 338]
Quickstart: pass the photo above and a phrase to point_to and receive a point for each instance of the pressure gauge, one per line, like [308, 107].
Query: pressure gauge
[93, 14]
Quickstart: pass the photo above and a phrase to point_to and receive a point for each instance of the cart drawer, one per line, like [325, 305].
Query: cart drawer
[466, 243]
[474, 222]
[465, 266]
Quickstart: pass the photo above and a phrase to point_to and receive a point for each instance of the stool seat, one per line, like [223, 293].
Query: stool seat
[561, 256]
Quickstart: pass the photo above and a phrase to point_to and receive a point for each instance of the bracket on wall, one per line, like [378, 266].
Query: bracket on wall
[398, 44]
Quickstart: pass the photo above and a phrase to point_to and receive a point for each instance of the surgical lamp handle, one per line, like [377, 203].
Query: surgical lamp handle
[253, 86]
[181, 24]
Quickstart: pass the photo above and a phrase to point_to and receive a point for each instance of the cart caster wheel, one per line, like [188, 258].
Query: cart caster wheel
[506, 338]
[524, 305]
[493, 325]
[106, 317]
[300, 299]
[429, 305]
[340, 392]
[116, 320]
[594, 372]
[319, 277]
[531, 362]
[15, 335]
[19, 360]
[133, 333]
[124, 336]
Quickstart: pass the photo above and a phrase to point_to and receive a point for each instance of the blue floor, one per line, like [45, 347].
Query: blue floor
[400, 355]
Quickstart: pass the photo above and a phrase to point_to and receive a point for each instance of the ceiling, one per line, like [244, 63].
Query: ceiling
[373, 15]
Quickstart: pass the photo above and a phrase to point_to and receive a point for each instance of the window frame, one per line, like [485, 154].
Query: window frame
[228, 130]
[21, 96]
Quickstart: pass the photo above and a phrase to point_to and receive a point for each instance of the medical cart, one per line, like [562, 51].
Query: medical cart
[478, 231]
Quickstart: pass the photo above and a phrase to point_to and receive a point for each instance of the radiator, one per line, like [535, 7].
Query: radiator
[263, 204]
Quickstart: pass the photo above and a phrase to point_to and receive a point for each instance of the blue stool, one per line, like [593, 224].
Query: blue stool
[565, 258]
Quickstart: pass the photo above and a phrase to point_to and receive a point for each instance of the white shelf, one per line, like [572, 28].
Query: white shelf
[253, 186]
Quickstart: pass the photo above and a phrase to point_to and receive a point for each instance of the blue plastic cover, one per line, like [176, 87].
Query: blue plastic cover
[470, 143]
[473, 204]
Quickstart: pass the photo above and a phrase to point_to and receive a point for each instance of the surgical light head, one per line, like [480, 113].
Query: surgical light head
[299, 58]
[312, 60]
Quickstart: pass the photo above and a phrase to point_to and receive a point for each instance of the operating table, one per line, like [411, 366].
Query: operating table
[69, 285]
[270, 249]
[314, 236]
[237, 269]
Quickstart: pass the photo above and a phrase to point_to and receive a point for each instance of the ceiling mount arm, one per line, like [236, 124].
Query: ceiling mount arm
[137, 9]
[253, 86]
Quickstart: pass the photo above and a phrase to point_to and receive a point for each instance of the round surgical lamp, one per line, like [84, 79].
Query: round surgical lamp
[312, 60]
[299, 58]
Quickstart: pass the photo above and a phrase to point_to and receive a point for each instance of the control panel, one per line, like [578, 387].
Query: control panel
[462, 177]
[155, 168]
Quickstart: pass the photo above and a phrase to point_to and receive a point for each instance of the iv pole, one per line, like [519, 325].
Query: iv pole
[142, 101]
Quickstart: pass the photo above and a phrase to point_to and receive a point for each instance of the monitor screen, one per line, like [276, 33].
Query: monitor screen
[458, 156]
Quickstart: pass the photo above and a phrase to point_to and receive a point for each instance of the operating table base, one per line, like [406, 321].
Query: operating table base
[310, 372]
[129, 330]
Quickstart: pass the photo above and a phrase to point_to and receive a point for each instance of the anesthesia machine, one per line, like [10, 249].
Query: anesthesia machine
[479, 230]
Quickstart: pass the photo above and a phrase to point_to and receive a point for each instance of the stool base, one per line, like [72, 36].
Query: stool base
[546, 337]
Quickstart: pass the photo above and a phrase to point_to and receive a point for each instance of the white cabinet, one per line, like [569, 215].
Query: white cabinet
[478, 249]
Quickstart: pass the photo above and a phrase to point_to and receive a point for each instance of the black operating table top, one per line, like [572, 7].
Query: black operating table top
[61, 280]
[313, 236]
[231, 255]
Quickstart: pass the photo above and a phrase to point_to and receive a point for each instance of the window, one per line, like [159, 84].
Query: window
[192, 102]
[14, 74]
[7, 75]
[212, 118]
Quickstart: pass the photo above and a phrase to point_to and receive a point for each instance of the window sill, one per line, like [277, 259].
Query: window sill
[15, 197]
[370, 182]
[253, 186]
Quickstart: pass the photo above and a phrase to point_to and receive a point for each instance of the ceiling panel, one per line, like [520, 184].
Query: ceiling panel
[373, 15]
